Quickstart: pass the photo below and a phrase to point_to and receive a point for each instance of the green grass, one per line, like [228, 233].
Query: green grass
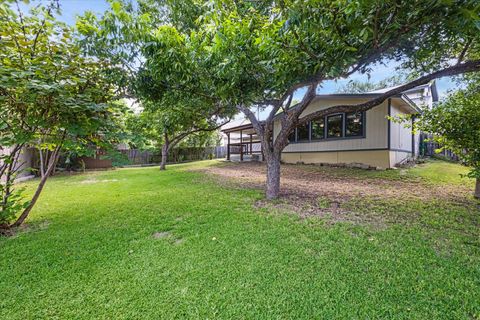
[432, 171]
[442, 172]
[90, 254]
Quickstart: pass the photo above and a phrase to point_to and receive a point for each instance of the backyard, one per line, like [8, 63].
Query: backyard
[200, 241]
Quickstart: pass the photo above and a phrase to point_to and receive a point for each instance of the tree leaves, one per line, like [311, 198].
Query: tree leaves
[455, 124]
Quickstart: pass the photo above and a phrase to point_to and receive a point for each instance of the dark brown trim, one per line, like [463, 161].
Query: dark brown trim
[389, 126]
[241, 147]
[413, 137]
[364, 125]
[343, 125]
[325, 129]
[228, 146]
[339, 150]
[329, 139]
[244, 143]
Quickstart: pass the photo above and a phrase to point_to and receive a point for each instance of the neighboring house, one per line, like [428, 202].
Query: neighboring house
[23, 164]
[367, 138]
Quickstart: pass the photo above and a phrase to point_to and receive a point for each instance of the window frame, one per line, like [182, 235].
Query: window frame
[325, 129]
[362, 114]
[309, 133]
[342, 129]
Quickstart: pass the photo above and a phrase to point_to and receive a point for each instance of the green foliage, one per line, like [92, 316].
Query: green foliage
[170, 113]
[48, 89]
[12, 201]
[202, 139]
[51, 95]
[455, 124]
[356, 86]
[245, 53]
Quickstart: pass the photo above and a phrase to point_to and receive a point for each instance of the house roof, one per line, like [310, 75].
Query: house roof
[372, 94]
[403, 97]
[244, 125]
[432, 85]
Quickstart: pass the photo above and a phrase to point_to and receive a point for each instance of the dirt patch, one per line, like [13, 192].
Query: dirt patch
[329, 192]
[334, 183]
[178, 242]
[161, 235]
[24, 228]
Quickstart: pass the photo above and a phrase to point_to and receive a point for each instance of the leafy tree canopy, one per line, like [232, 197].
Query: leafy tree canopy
[357, 86]
[258, 53]
[52, 97]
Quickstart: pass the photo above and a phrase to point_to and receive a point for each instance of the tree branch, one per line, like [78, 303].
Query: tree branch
[466, 67]
[464, 51]
[181, 136]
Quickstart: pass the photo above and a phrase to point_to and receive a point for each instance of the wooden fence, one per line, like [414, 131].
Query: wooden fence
[428, 148]
[176, 155]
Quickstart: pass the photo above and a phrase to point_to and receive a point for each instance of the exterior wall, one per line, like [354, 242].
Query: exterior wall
[397, 157]
[371, 149]
[374, 148]
[416, 145]
[375, 135]
[401, 137]
[24, 161]
[376, 158]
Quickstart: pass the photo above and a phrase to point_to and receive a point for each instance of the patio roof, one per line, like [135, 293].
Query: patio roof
[246, 128]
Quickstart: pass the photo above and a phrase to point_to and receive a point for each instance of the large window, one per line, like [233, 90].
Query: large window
[354, 124]
[318, 129]
[335, 126]
[341, 125]
[302, 133]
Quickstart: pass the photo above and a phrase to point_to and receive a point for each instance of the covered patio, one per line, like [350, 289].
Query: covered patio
[243, 144]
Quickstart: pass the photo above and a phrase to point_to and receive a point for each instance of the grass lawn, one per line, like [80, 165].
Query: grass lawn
[144, 244]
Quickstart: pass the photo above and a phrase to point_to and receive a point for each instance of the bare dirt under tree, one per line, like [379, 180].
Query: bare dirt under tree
[342, 194]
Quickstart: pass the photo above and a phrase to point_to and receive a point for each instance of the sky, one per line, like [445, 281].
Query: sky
[72, 8]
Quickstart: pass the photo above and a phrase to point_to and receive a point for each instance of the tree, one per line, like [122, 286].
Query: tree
[455, 125]
[249, 54]
[168, 126]
[356, 86]
[123, 36]
[51, 98]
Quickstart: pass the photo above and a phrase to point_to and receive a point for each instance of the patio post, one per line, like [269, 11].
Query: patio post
[251, 145]
[241, 145]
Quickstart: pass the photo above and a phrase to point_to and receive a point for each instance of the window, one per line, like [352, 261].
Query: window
[340, 125]
[302, 133]
[335, 126]
[318, 128]
[354, 124]
[291, 136]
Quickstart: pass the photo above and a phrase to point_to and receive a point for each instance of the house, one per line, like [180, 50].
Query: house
[369, 138]
[23, 164]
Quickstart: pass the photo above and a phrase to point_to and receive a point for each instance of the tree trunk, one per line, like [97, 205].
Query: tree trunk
[26, 212]
[165, 149]
[273, 175]
[477, 189]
